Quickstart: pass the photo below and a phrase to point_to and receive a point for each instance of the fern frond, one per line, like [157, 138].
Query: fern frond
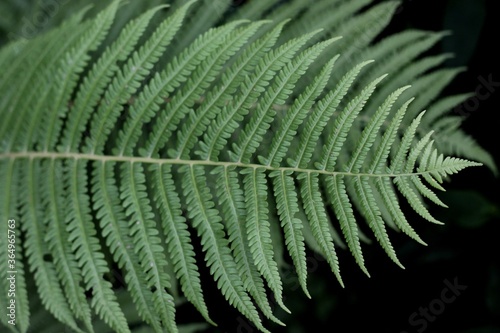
[181, 251]
[198, 120]
[285, 11]
[256, 135]
[221, 94]
[257, 225]
[397, 163]
[462, 144]
[144, 231]
[170, 116]
[414, 200]
[445, 166]
[37, 53]
[443, 106]
[390, 135]
[13, 264]
[115, 229]
[424, 159]
[389, 60]
[205, 15]
[370, 132]
[296, 115]
[100, 76]
[426, 192]
[407, 74]
[267, 67]
[128, 80]
[388, 194]
[226, 122]
[320, 116]
[252, 10]
[47, 56]
[231, 198]
[415, 152]
[336, 188]
[315, 210]
[218, 256]
[342, 125]
[51, 293]
[67, 77]
[362, 186]
[57, 236]
[360, 31]
[320, 16]
[277, 94]
[429, 87]
[85, 245]
[288, 206]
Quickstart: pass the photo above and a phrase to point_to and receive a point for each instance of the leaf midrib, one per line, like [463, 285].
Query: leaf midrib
[178, 161]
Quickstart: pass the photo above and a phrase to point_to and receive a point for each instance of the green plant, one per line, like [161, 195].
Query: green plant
[113, 152]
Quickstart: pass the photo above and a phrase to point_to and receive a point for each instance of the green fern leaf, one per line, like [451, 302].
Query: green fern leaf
[169, 119]
[296, 115]
[82, 235]
[370, 132]
[372, 214]
[212, 139]
[127, 80]
[462, 144]
[178, 238]
[277, 94]
[320, 116]
[233, 207]
[13, 265]
[321, 16]
[315, 210]
[197, 122]
[388, 60]
[218, 256]
[407, 74]
[343, 210]
[114, 227]
[57, 239]
[260, 141]
[258, 230]
[386, 190]
[144, 231]
[66, 80]
[100, 77]
[51, 293]
[45, 54]
[288, 206]
[250, 92]
[341, 127]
